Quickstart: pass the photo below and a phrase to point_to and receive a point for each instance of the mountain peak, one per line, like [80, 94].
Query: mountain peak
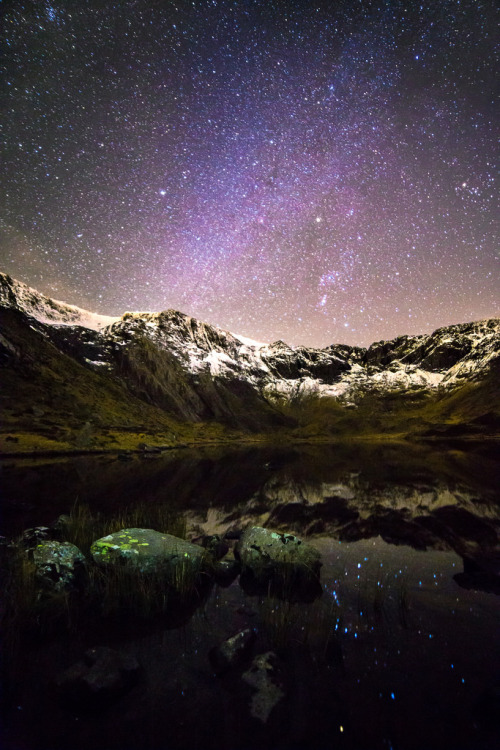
[18, 295]
[22, 297]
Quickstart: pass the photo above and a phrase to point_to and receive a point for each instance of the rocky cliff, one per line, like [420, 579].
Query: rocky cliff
[179, 366]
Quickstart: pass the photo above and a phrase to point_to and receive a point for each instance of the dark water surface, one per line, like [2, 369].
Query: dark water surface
[400, 651]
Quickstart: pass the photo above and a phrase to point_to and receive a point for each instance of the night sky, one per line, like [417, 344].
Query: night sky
[308, 171]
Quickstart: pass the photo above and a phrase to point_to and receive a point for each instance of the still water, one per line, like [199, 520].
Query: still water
[400, 651]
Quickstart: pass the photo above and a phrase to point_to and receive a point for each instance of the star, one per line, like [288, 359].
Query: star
[300, 163]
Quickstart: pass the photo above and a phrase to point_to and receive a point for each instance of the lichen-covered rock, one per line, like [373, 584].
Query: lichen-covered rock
[60, 566]
[152, 552]
[270, 556]
[102, 674]
[232, 651]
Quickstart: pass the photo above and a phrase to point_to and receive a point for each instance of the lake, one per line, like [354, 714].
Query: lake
[400, 650]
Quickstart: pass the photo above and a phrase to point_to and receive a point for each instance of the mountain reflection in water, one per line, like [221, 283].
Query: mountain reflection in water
[401, 649]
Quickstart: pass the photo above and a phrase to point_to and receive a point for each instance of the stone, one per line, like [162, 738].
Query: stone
[269, 557]
[232, 651]
[60, 566]
[145, 448]
[31, 537]
[215, 545]
[263, 676]
[61, 525]
[225, 571]
[103, 674]
[151, 552]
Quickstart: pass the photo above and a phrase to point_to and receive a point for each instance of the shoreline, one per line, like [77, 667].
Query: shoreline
[151, 449]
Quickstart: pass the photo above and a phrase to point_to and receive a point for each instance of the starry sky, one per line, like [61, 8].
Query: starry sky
[317, 172]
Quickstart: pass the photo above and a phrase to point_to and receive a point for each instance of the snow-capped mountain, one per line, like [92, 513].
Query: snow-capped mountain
[19, 296]
[195, 371]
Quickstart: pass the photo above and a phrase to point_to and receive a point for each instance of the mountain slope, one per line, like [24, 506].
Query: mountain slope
[146, 372]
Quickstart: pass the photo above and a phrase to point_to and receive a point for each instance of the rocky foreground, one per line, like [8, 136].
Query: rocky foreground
[144, 574]
[80, 381]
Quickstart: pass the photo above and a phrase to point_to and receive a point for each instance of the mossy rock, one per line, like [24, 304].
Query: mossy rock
[151, 552]
[60, 566]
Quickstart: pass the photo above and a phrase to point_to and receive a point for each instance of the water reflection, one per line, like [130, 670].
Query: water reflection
[400, 650]
[418, 496]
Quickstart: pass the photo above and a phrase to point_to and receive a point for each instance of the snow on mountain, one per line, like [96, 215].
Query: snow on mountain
[46, 310]
[178, 348]
[251, 343]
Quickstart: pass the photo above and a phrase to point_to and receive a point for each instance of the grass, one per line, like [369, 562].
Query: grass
[27, 609]
[279, 620]
[404, 603]
[112, 591]
[124, 592]
[314, 627]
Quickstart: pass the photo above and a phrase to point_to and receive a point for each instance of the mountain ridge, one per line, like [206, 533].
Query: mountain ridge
[46, 309]
[196, 373]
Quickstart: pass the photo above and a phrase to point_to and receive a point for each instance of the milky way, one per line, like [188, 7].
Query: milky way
[313, 172]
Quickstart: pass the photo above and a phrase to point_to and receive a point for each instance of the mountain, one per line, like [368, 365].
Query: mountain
[19, 296]
[74, 379]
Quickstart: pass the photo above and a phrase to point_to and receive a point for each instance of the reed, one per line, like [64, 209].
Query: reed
[404, 603]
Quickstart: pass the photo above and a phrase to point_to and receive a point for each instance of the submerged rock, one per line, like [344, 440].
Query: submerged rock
[151, 552]
[60, 566]
[225, 571]
[268, 557]
[232, 651]
[102, 674]
[263, 676]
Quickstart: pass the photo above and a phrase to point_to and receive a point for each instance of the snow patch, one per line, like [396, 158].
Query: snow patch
[251, 343]
[219, 362]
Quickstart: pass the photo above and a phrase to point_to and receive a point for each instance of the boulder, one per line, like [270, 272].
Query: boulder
[103, 674]
[151, 552]
[268, 557]
[232, 651]
[60, 566]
